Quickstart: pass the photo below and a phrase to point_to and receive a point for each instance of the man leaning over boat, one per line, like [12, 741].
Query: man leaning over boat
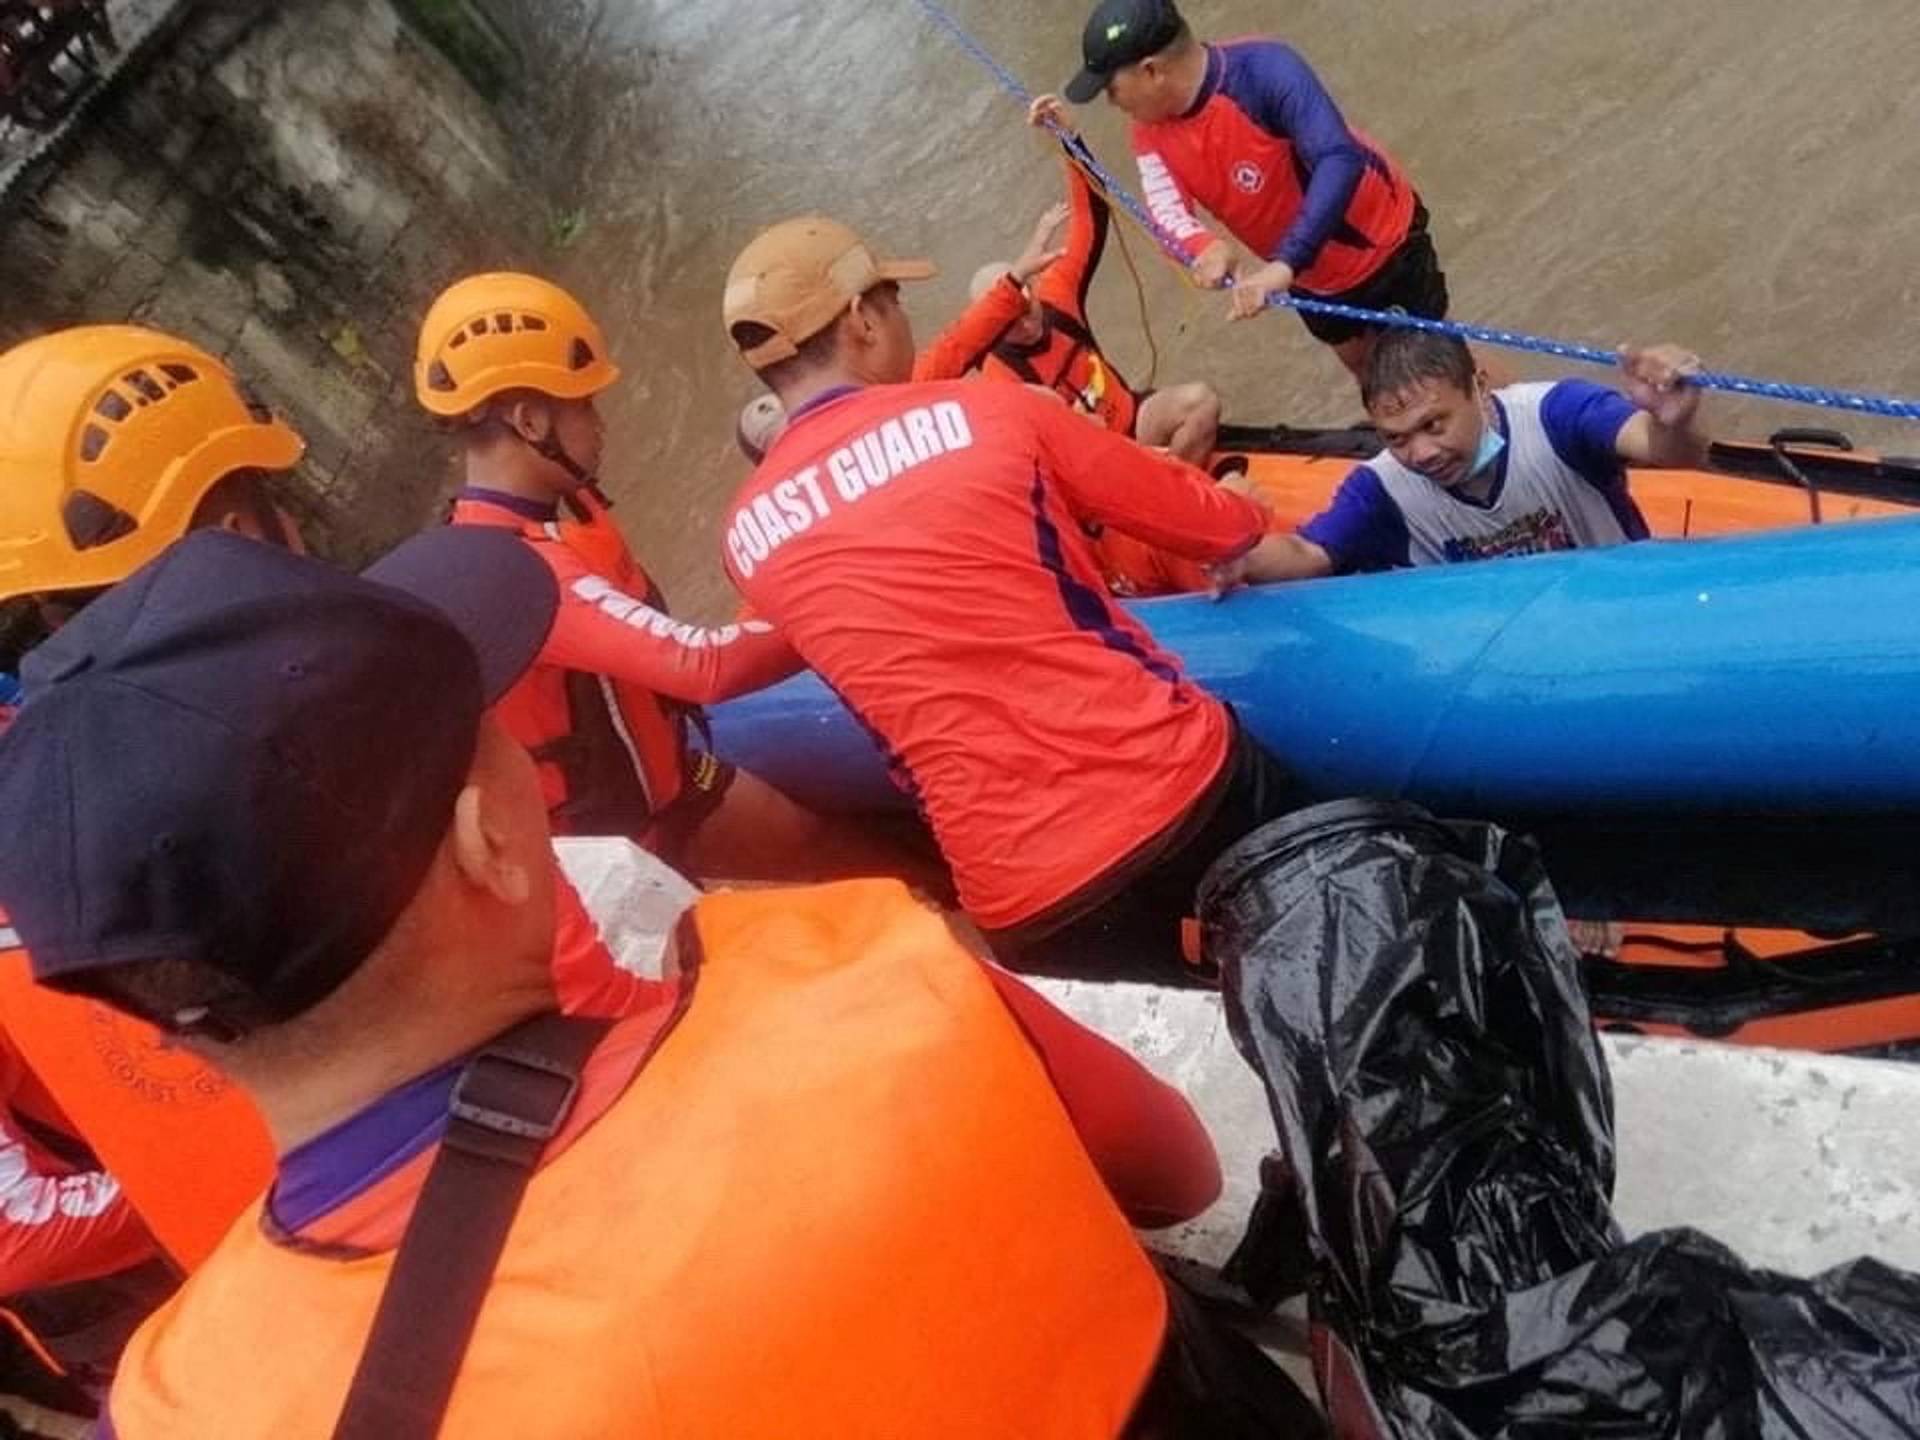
[1474, 473]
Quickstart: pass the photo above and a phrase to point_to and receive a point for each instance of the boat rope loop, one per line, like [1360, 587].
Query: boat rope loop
[1862, 403]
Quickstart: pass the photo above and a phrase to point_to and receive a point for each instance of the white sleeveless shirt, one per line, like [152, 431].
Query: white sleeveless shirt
[1543, 503]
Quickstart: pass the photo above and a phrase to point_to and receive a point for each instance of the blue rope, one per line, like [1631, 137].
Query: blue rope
[1861, 403]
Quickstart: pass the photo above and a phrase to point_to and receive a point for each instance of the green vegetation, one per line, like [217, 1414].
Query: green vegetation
[565, 226]
[460, 32]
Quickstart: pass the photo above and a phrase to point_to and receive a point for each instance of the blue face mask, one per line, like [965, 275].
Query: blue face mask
[1492, 442]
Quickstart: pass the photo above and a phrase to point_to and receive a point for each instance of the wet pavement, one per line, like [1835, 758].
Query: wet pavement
[1743, 179]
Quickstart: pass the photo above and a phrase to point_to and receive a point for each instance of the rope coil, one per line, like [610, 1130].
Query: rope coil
[1887, 406]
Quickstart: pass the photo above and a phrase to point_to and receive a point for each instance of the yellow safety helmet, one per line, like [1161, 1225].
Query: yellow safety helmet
[110, 437]
[504, 331]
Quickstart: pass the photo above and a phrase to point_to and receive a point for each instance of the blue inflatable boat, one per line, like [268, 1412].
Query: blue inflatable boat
[1718, 730]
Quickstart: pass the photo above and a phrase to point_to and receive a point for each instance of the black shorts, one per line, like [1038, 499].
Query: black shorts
[1127, 925]
[1411, 280]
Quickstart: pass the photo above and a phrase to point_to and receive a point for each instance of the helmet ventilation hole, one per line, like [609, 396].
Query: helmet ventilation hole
[149, 388]
[92, 522]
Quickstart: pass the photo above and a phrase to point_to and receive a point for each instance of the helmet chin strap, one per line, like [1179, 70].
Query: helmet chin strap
[548, 447]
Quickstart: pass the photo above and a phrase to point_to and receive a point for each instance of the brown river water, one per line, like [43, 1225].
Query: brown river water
[1741, 178]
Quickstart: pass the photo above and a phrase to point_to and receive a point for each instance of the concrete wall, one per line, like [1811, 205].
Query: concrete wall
[287, 184]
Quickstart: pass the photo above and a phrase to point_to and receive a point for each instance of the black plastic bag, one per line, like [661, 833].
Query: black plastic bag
[1407, 991]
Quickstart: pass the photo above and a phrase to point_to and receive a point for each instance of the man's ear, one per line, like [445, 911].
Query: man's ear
[530, 418]
[481, 848]
[859, 320]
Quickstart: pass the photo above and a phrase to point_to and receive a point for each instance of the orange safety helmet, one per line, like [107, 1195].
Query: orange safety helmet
[110, 437]
[504, 331]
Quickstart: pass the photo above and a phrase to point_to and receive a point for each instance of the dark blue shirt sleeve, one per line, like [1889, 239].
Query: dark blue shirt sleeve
[1583, 423]
[1280, 93]
[1362, 529]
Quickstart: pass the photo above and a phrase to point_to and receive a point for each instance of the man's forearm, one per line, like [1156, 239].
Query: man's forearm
[1286, 556]
[1677, 447]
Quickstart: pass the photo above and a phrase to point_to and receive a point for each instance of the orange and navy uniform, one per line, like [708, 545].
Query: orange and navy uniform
[922, 547]
[650, 1218]
[607, 707]
[1266, 152]
[1065, 359]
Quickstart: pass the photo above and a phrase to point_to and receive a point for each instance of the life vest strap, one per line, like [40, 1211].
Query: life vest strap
[510, 1100]
[607, 790]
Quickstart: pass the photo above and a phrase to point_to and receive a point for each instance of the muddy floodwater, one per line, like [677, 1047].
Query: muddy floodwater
[1743, 178]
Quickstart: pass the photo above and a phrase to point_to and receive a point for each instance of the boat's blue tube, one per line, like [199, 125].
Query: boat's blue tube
[1724, 716]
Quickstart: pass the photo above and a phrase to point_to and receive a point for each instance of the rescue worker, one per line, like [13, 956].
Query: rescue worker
[962, 348]
[1029, 323]
[513, 363]
[702, 1219]
[1247, 129]
[1007, 315]
[1474, 473]
[115, 441]
[922, 546]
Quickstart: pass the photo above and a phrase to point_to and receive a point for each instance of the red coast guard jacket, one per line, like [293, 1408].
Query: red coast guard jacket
[922, 547]
[1266, 152]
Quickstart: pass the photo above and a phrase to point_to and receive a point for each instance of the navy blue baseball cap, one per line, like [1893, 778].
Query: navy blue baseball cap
[248, 759]
[1120, 33]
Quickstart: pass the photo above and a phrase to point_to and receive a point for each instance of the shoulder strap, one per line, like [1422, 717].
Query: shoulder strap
[607, 783]
[1018, 362]
[1070, 325]
[510, 1100]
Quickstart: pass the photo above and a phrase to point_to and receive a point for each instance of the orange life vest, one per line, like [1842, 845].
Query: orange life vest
[840, 1200]
[612, 755]
[186, 1145]
[1069, 363]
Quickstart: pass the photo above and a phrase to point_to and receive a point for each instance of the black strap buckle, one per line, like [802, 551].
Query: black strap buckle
[509, 1102]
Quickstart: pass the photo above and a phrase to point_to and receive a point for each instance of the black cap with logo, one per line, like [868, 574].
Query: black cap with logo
[1121, 33]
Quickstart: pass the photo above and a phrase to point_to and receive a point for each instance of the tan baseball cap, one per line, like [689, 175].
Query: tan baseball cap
[798, 276]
